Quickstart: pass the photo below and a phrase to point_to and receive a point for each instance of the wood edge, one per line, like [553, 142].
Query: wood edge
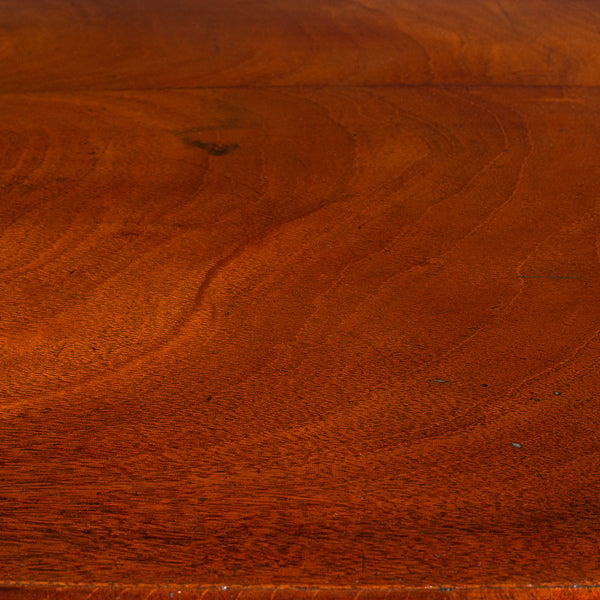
[13, 590]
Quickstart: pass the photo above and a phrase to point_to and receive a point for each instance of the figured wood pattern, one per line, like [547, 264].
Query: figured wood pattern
[122, 44]
[299, 294]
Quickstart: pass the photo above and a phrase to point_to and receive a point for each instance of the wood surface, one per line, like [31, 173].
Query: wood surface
[299, 299]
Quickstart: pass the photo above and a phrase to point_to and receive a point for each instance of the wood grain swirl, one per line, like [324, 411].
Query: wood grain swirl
[299, 294]
[71, 45]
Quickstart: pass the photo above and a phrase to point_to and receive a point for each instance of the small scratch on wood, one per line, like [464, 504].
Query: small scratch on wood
[506, 16]
[91, 593]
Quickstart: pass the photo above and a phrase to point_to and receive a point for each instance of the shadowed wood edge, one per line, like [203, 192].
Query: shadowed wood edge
[27, 591]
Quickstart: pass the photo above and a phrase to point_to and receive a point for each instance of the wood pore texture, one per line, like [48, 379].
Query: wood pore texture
[299, 299]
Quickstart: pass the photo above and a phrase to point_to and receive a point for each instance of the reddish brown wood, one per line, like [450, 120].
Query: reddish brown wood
[299, 298]
[72, 45]
[285, 592]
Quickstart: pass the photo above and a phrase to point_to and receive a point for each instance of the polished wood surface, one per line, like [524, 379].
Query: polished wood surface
[299, 299]
[291, 592]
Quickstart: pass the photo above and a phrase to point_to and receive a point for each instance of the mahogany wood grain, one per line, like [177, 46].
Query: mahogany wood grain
[299, 299]
[67, 45]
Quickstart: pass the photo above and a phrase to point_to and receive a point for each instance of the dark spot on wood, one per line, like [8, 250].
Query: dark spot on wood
[212, 149]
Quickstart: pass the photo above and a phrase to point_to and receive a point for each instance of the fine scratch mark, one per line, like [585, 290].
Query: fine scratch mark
[96, 589]
[272, 596]
[506, 16]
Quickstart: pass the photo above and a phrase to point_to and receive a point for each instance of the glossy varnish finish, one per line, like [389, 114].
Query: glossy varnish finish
[299, 294]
